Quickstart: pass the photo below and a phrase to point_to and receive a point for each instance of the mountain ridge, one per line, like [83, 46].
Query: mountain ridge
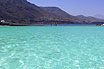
[22, 11]
[89, 18]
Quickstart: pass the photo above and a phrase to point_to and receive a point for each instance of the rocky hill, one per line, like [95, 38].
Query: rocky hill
[21, 11]
[61, 13]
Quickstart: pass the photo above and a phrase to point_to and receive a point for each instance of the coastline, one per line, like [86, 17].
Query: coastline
[50, 24]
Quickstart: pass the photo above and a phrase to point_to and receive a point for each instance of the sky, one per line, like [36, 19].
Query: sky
[75, 7]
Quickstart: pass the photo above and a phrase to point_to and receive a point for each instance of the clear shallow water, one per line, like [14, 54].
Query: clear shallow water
[77, 47]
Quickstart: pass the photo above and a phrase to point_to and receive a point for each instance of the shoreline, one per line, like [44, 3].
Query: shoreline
[51, 24]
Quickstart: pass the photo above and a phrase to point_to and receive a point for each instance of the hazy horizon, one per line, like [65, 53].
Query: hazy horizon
[74, 7]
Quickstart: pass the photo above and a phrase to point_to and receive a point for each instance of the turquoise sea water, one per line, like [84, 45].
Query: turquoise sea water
[77, 47]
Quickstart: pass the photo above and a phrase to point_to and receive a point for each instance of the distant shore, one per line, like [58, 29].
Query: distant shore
[53, 25]
[50, 24]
